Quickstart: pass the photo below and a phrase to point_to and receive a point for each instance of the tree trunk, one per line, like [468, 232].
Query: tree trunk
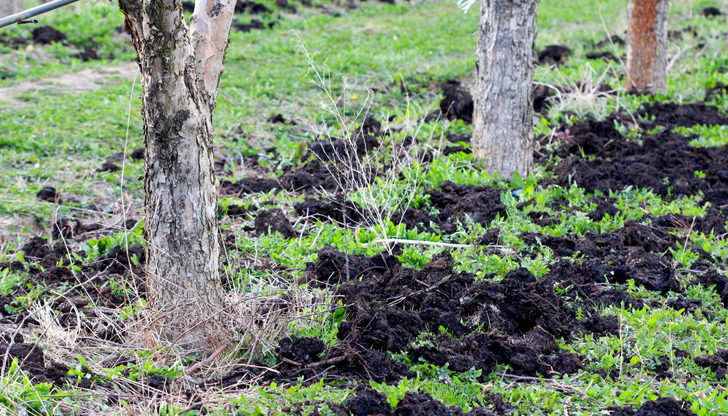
[503, 118]
[8, 7]
[181, 68]
[647, 46]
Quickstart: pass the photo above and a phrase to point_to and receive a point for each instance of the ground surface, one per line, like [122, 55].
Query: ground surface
[381, 271]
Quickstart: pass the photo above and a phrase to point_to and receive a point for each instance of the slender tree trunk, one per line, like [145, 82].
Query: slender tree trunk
[181, 68]
[8, 7]
[647, 46]
[503, 119]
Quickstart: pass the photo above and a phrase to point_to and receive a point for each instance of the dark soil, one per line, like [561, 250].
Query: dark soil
[276, 118]
[341, 150]
[664, 162]
[247, 27]
[88, 54]
[542, 95]
[49, 194]
[711, 12]
[481, 204]
[612, 40]
[336, 209]
[71, 228]
[189, 6]
[604, 55]
[457, 103]
[45, 35]
[31, 359]
[251, 7]
[671, 115]
[717, 362]
[553, 55]
[660, 407]
[474, 324]
[138, 154]
[719, 90]
[273, 221]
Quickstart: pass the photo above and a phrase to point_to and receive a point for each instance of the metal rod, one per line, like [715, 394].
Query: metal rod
[35, 11]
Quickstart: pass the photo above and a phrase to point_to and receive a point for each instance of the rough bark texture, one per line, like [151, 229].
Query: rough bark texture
[181, 68]
[647, 46]
[503, 118]
[8, 7]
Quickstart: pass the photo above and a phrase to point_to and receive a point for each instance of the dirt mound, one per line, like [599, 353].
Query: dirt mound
[597, 157]
[45, 35]
[32, 359]
[604, 55]
[711, 12]
[481, 204]
[236, 210]
[720, 89]
[251, 7]
[671, 115]
[274, 221]
[613, 40]
[72, 228]
[334, 267]
[457, 103]
[631, 252]
[717, 362]
[338, 150]
[248, 186]
[662, 406]
[88, 54]
[247, 27]
[138, 154]
[49, 194]
[554, 55]
[336, 209]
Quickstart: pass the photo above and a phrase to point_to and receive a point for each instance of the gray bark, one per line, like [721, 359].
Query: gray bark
[503, 118]
[8, 7]
[647, 46]
[181, 67]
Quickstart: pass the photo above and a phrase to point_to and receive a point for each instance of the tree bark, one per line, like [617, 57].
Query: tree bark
[647, 46]
[181, 67]
[503, 118]
[8, 7]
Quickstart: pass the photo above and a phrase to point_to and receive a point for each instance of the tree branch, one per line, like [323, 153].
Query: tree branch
[209, 30]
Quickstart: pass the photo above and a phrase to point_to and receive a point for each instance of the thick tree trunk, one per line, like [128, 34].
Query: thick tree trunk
[8, 7]
[503, 118]
[647, 46]
[181, 68]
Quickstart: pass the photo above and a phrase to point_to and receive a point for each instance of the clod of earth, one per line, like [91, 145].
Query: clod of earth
[49, 194]
[711, 12]
[457, 103]
[45, 35]
[553, 55]
[274, 221]
[612, 40]
[660, 407]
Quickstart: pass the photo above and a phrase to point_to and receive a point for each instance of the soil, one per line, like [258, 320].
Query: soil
[88, 54]
[49, 194]
[456, 203]
[274, 221]
[472, 324]
[457, 103]
[138, 154]
[337, 209]
[32, 359]
[338, 150]
[597, 157]
[711, 12]
[70, 228]
[251, 7]
[45, 35]
[717, 362]
[554, 55]
[660, 407]
[607, 56]
[247, 27]
[612, 40]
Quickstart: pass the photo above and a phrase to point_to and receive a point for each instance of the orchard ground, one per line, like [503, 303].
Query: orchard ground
[378, 270]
